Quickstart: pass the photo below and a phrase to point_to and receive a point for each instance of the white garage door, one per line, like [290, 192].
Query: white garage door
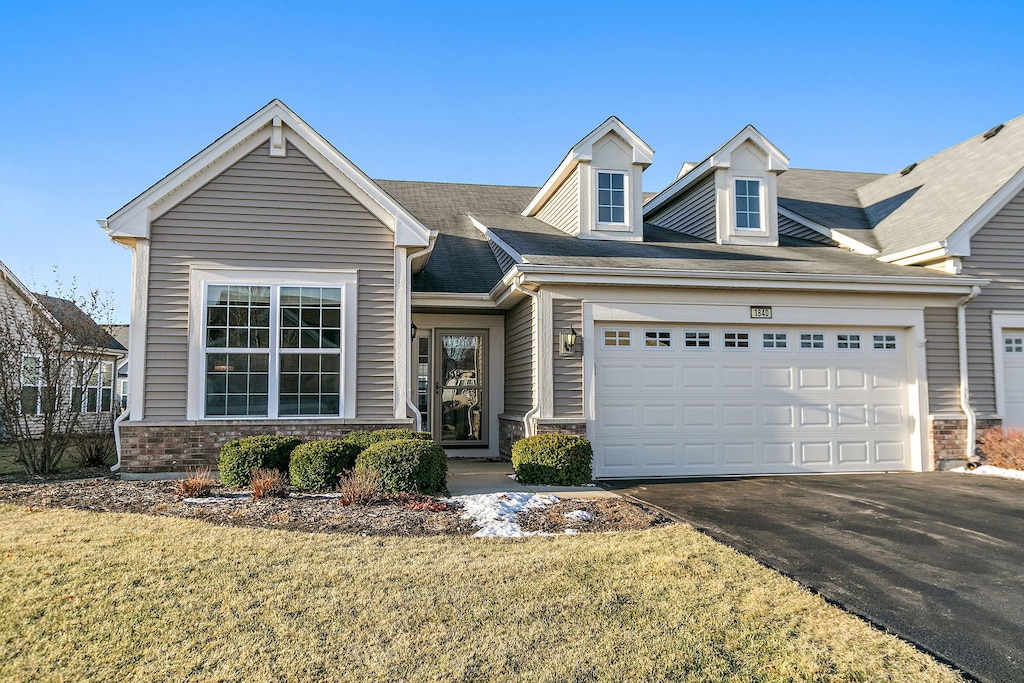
[686, 400]
[1013, 377]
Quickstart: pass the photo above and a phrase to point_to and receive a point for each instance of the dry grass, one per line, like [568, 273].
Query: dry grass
[91, 596]
[268, 483]
[362, 486]
[1003, 447]
[199, 483]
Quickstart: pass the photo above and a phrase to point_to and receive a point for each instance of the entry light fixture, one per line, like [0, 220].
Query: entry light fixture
[412, 330]
[567, 342]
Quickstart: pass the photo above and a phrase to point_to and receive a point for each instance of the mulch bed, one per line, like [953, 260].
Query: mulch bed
[326, 513]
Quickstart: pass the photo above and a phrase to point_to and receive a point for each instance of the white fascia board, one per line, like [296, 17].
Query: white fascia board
[916, 255]
[834, 235]
[677, 187]
[583, 150]
[674, 278]
[452, 300]
[133, 219]
[489, 234]
[960, 240]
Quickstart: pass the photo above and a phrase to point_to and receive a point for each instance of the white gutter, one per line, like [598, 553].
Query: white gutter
[529, 423]
[410, 406]
[116, 467]
[965, 402]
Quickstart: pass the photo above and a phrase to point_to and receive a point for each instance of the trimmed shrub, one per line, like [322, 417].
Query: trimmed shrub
[554, 459]
[268, 483]
[315, 465]
[1001, 447]
[407, 465]
[198, 484]
[239, 457]
[365, 439]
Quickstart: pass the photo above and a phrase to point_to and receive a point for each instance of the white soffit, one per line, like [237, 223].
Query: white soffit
[269, 123]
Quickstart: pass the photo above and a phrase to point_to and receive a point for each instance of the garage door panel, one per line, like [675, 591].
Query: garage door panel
[717, 410]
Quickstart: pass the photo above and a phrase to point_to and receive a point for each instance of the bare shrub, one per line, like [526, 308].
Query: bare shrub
[268, 483]
[198, 484]
[361, 487]
[94, 448]
[1002, 447]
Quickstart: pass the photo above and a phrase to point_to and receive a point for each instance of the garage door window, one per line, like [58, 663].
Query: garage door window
[812, 340]
[774, 340]
[657, 339]
[847, 342]
[884, 342]
[618, 338]
[736, 340]
[1014, 344]
[697, 340]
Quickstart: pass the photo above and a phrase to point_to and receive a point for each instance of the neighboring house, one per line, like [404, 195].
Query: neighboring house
[93, 394]
[120, 333]
[747, 319]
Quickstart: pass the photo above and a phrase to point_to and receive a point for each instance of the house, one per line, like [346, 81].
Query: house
[47, 342]
[749, 318]
[120, 334]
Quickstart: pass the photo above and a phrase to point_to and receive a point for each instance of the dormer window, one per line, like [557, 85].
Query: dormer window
[748, 204]
[611, 197]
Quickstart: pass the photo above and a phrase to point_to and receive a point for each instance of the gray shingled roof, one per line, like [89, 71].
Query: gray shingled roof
[462, 260]
[73, 318]
[541, 244]
[828, 198]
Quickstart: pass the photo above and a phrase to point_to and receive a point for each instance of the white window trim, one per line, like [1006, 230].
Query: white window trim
[627, 224]
[894, 335]
[201, 278]
[658, 347]
[604, 341]
[1002, 320]
[38, 385]
[788, 338]
[87, 385]
[799, 342]
[861, 341]
[710, 340]
[749, 340]
[761, 204]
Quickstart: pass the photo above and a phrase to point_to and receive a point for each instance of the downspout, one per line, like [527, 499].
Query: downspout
[965, 403]
[116, 467]
[410, 405]
[529, 426]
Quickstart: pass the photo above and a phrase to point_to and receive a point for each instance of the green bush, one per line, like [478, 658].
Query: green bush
[315, 465]
[365, 439]
[555, 459]
[407, 465]
[239, 457]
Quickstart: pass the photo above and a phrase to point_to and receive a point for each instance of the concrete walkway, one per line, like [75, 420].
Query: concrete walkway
[468, 476]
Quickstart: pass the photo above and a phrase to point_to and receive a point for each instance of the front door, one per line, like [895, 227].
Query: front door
[459, 414]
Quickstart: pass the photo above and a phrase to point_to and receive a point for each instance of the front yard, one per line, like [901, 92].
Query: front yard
[103, 596]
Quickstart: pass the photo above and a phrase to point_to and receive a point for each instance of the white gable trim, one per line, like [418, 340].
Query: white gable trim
[133, 219]
[643, 155]
[721, 158]
[489, 234]
[835, 236]
[959, 242]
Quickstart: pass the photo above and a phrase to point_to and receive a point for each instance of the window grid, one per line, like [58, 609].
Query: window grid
[697, 340]
[884, 342]
[94, 394]
[847, 341]
[1014, 344]
[748, 204]
[658, 339]
[774, 340]
[812, 340]
[31, 385]
[611, 197]
[736, 340]
[310, 383]
[618, 338]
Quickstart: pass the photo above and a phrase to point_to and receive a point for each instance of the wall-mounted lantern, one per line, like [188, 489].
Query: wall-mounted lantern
[412, 330]
[567, 342]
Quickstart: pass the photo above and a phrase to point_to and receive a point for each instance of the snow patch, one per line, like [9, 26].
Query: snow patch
[216, 499]
[989, 470]
[495, 513]
[581, 515]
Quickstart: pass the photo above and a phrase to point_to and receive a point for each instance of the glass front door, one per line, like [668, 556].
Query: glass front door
[460, 388]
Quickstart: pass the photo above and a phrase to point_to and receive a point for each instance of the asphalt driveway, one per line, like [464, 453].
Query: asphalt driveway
[937, 558]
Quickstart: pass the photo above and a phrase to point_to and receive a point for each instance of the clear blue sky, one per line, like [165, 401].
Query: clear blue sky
[100, 100]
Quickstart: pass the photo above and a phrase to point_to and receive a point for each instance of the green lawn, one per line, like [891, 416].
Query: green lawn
[8, 452]
[88, 596]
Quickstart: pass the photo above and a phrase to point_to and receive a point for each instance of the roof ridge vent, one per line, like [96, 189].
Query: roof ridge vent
[908, 169]
[992, 132]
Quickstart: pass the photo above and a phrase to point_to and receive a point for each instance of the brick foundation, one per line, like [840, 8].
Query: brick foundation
[512, 429]
[151, 447]
[574, 428]
[948, 437]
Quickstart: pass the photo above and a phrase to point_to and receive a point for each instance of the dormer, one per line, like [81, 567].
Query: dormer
[741, 175]
[597, 190]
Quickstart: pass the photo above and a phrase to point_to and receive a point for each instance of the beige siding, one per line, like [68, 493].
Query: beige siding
[519, 368]
[563, 209]
[281, 212]
[693, 213]
[997, 252]
[567, 371]
[505, 262]
[790, 228]
[943, 360]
